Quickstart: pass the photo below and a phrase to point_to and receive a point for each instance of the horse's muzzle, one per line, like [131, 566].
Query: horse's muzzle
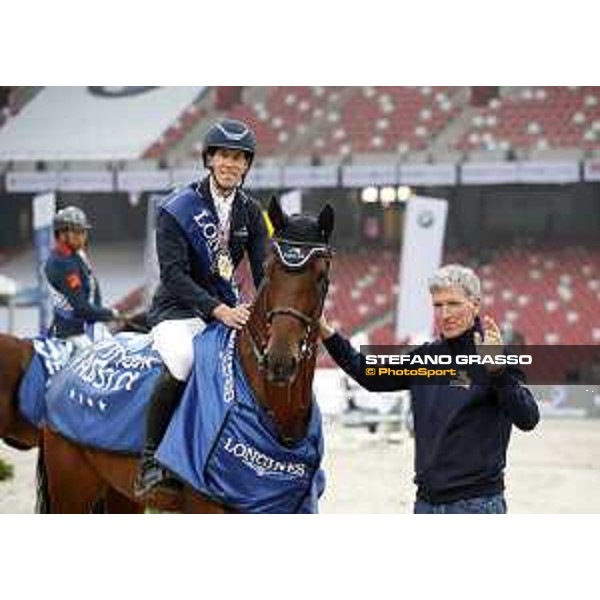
[281, 371]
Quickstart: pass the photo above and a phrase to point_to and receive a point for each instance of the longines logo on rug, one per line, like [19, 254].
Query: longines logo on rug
[227, 369]
[261, 463]
[116, 91]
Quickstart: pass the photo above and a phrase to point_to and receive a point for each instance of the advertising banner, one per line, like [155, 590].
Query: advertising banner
[366, 175]
[44, 207]
[310, 177]
[422, 245]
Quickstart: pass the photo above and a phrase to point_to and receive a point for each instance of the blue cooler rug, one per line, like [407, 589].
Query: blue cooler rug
[100, 397]
[223, 444]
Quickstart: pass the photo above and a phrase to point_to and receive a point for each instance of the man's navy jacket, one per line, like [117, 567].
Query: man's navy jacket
[75, 293]
[181, 293]
[461, 432]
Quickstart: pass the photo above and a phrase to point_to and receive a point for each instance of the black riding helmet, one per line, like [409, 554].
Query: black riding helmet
[231, 134]
[70, 218]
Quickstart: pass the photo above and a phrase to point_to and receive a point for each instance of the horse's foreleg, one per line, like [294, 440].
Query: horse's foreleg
[73, 484]
[117, 503]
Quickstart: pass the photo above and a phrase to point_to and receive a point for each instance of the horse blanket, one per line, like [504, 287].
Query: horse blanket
[223, 444]
[50, 356]
[100, 397]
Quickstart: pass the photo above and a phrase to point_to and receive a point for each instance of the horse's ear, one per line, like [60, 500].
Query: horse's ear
[276, 215]
[327, 220]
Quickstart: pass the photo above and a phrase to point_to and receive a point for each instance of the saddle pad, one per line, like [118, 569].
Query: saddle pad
[99, 398]
[223, 444]
[49, 357]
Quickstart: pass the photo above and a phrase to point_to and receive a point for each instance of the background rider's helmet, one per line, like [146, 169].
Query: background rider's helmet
[232, 134]
[70, 218]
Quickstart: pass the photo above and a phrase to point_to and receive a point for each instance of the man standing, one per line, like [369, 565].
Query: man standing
[462, 427]
[203, 231]
[75, 292]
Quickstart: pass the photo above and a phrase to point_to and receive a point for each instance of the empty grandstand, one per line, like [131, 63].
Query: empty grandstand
[519, 166]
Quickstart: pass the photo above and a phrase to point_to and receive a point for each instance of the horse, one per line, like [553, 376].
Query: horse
[277, 351]
[15, 356]
[15, 430]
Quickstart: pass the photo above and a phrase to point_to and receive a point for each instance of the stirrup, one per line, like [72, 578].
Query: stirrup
[154, 477]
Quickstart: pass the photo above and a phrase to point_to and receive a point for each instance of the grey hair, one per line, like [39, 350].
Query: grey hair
[456, 276]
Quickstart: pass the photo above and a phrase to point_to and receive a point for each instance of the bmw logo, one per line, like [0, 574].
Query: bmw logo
[425, 219]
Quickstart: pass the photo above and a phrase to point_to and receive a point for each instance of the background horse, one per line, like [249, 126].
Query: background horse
[15, 430]
[277, 350]
[15, 356]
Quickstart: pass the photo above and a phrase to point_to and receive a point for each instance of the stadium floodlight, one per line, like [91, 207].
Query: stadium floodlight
[369, 194]
[387, 195]
[404, 193]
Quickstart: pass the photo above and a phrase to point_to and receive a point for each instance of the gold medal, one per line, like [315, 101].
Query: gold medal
[225, 266]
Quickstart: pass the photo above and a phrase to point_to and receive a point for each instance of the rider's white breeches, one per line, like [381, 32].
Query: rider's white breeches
[173, 340]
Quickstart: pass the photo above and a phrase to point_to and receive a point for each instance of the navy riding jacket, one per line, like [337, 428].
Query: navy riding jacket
[75, 293]
[181, 293]
[461, 432]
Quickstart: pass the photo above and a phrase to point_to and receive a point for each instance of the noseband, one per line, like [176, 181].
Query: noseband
[293, 256]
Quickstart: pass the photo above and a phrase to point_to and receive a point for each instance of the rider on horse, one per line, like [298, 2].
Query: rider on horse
[203, 231]
[74, 290]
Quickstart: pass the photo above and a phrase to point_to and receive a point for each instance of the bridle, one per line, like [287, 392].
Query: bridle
[293, 256]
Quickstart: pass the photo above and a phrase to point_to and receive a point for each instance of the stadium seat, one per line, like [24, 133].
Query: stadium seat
[537, 119]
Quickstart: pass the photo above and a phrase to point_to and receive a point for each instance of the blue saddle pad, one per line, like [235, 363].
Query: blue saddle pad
[223, 444]
[100, 397]
[49, 357]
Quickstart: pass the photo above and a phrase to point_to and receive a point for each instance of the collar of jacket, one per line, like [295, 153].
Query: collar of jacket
[203, 188]
[63, 249]
[463, 341]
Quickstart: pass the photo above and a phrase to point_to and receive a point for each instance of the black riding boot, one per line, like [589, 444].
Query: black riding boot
[165, 399]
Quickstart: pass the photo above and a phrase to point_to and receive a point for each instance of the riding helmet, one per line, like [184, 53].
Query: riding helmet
[231, 134]
[70, 217]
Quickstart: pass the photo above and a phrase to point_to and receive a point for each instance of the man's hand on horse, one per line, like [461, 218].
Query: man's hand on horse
[325, 329]
[492, 343]
[232, 317]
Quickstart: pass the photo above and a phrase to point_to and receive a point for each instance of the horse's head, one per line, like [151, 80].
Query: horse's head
[296, 282]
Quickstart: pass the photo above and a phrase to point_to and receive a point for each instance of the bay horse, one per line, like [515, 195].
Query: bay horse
[15, 430]
[277, 351]
[15, 356]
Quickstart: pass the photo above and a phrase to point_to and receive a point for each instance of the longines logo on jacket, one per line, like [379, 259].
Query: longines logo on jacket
[209, 230]
[261, 463]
